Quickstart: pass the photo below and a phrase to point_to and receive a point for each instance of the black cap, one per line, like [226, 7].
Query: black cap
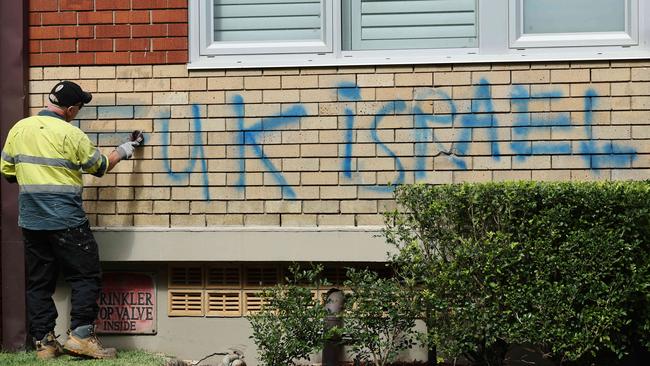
[66, 94]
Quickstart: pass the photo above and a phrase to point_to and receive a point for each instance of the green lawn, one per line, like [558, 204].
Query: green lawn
[124, 358]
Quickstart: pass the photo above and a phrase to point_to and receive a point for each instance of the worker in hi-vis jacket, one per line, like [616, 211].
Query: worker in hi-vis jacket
[46, 156]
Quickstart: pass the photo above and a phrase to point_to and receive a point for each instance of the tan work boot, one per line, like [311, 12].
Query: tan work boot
[83, 342]
[48, 347]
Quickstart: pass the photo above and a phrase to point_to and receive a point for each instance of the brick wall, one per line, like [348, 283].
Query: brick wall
[317, 146]
[107, 32]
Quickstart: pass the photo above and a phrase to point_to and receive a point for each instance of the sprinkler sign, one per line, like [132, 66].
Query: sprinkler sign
[127, 304]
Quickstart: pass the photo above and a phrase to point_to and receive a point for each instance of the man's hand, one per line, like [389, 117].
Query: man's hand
[137, 136]
[126, 149]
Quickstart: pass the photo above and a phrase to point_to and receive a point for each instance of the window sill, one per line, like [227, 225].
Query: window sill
[367, 59]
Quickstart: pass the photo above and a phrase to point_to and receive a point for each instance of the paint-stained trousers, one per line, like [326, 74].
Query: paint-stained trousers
[74, 253]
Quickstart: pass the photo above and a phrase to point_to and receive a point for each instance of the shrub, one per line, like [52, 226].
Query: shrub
[564, 266]
[379, 316]
[290, 325]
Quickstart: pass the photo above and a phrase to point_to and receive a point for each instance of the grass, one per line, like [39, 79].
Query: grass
[124, 358]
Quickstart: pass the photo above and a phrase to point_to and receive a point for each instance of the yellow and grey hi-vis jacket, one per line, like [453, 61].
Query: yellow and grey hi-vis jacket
[46, 156]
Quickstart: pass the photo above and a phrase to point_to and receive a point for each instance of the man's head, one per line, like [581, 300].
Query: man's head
[68, 98]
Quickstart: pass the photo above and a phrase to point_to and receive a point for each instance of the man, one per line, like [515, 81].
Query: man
[46, 156]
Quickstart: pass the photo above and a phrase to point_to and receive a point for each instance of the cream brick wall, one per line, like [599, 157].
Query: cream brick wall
[318, 146]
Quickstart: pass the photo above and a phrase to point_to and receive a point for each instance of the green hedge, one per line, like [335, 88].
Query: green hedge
[562, 266]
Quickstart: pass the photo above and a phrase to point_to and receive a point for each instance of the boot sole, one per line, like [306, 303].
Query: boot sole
[49, 355]
[87, 356]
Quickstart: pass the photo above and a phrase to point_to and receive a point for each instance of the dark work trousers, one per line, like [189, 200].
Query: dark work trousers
[73, 252]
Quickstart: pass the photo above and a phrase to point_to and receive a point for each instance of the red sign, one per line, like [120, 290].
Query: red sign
[127, 304]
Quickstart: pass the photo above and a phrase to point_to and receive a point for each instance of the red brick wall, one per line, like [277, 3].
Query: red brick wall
[107, 32]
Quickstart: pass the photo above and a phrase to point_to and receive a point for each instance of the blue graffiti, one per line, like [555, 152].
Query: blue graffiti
[196, 154]
[388, 108]
[524, 125]
[348, 92]
[424, 132]
[597, 154]
[606, 154]
[482, 116]
[249, 137]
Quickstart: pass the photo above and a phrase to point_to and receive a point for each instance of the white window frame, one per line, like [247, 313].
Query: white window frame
[520, 40]
[209, 47]
[499, 40]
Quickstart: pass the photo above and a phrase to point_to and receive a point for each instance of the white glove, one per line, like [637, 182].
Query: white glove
[126, 149]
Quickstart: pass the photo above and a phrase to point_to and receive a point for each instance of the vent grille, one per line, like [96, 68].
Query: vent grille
[186, 276]
[223, 277]
[186, 303]
[223, 303]
[262, 276]
[253, 302]
[320, 295]
[335, 275]
[231, 289]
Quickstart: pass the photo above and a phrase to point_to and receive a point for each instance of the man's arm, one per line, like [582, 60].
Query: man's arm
[113, 159]
[7, 164]
[99, 167]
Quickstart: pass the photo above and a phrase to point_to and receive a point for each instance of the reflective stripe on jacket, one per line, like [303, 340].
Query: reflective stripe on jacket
[47, 156]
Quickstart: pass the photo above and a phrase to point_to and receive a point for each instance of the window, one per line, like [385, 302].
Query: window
[544, 23]
[283, 33]
[390, 25]
[265, 26]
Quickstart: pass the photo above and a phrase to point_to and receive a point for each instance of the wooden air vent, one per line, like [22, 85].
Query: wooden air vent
[223, 303]
[261, 276]
[223, 277]
[253, 302]
[186, 303]
[186, 276]
[335, 276]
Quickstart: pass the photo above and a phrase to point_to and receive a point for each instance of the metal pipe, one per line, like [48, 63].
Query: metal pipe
[13, 107]
[333, 349]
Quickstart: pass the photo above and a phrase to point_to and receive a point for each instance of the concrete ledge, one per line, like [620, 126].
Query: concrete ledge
[349, 244]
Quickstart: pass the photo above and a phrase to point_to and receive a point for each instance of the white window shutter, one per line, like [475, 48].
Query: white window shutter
[408, 24]
[267, 20]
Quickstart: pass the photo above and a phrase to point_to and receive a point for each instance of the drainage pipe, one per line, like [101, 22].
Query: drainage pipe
[333, 348]
[13, 107]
